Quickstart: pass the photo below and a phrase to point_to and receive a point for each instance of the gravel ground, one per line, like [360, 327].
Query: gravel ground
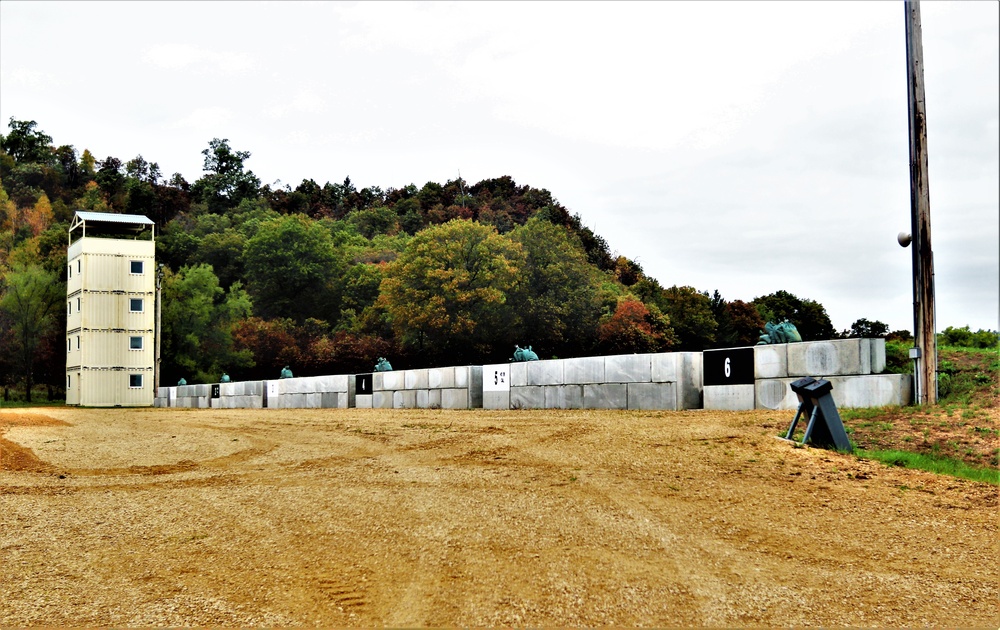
[171, 517]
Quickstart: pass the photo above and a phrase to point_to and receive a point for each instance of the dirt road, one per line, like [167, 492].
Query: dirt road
[416, 518]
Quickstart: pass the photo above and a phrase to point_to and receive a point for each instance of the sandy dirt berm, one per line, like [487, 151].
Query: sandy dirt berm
[440, 518]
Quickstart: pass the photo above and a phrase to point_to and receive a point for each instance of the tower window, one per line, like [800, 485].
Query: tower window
[135, 267]
[135, 343]
[135, 381]
[135, 305]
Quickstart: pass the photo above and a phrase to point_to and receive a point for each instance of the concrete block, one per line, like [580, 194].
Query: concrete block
[689, 368]
[518, 374]
[647, 396]
[775, 394]
[475, 387]
[664, 366]
[878, 355]
[828, 358]
[528, 397]
[415, 379]
[391, 381]
[583, 370]
[434, 399]
[332, 383]
[563, 396]
[628, 368]
[204, 402]
[314, 400]
[422, 397]
[330, 400]
[404, 399]
[363, 401]
[296, 385]
[455, 398]
[872, 390]
[382, 399]
[605, 396]
[729, 397]
[496, 400]
[545, 372]
[293, 401]
[770, 361]
[440, 378]
[377, 381]
[462, 377]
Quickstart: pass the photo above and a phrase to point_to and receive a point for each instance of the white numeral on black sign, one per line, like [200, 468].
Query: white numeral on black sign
[728, 371]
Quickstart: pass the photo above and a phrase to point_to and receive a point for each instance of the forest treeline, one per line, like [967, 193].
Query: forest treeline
[327, 278]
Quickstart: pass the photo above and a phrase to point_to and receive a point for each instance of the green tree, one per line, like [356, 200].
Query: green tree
[25, 144]
[224, 252]
[198, 321]
[690, 313]
[557, 300]
[293, 269]
[446, 293]
[31, 298]
[965, 338]
[226, 182]
[865, 329]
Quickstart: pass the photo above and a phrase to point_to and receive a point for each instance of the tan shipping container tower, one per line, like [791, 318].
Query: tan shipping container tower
[110, 310]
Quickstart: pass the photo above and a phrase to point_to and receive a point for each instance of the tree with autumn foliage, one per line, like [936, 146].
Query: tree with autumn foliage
[446, 294]
[635, 327]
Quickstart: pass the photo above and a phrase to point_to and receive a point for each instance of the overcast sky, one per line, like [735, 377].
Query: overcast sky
[746, 147]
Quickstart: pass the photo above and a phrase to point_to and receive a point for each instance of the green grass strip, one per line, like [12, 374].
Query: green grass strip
[930, 463]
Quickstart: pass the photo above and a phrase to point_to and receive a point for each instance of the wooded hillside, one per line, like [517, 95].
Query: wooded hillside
[327, 278]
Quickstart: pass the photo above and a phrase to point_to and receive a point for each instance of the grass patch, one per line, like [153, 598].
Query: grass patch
[20, 404]
[935, 464]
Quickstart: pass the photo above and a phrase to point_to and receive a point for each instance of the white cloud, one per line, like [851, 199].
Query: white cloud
[208, 119]
[180, 56]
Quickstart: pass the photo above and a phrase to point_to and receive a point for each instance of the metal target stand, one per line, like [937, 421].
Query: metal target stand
[825, 428]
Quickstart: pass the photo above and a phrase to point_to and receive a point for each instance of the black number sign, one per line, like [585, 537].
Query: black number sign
[363, 384]
[732, 366]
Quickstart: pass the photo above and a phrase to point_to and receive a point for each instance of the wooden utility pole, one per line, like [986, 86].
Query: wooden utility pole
[924, 329]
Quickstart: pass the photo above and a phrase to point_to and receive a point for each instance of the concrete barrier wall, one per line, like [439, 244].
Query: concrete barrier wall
[626, 381]
[309, 392]
[854, 367]
[459, 387]
[634, 381]
[868, 390]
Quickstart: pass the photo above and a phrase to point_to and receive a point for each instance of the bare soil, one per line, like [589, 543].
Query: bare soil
[170, 517]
